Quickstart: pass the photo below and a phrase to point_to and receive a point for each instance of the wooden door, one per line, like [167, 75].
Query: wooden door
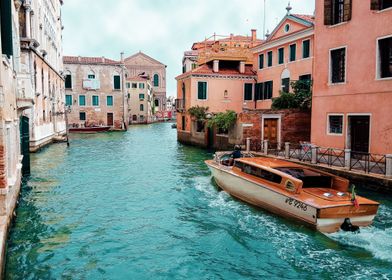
[110, 119]
[271, 130]
[359, 133]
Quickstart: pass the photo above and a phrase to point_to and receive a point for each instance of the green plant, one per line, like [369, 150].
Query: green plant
[198, 112]
[301, 98]
[223, 121]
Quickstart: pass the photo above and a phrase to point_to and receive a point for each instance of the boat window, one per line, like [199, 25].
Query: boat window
[310, 178]
[258, 172]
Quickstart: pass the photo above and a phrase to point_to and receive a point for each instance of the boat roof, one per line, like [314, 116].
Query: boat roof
[269, 162]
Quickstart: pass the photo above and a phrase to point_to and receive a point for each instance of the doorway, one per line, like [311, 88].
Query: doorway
[271, 130]
[359, 133]
[110, 119]
[24, 145]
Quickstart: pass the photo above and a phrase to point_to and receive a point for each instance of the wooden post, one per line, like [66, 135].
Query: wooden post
[388, 165]
[347, 159]
[287, 150]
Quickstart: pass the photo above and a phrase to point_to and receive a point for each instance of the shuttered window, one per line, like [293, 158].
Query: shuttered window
[338, 65]
[109, 100]
[264, 90]
[202, 90]
[248, 91]
[82, 116]
[385, 57]
[141, 85]
[261, 61]
[269, 58]
[141, 96]
[82, 100]
[156, 80]
[281, 56]
[380, 4]
[68, 100]
[337, 11]
[268, 88]
[6, 27]
[95, 100]
[293, 51]
[259, 91]
[68, 81]
[306, 49]
[117, 82]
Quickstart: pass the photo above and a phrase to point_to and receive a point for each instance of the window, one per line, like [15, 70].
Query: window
[134, 85]
[91, 76]
[248, 91]
[202, 90]
[116, 82]
[82, 100]
[156, 102]
[380, 4]
[200, 126]
[68, 100]
[337, 11]
[385, 57]
[95, 100]
[141, 96]
[109, 100]
[306, 81]
[134, 118]
[141, 85]
[6, 24]
[286, 85]
[261, 61]
[68, 81]
[264, 90]
[259, 91]
[258, 172]
[293, 51]
[141, 107]
[281, 56]
[268, 87]
[156, 80]
[128, 85]
[194, 65]
[338, 65]
[82, 116]
[269, 58]
[183, 124]
[287, 28]
[335, 124]
[306, 49]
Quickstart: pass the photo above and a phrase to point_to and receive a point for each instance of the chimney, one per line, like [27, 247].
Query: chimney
[103, 59]
[231, 36]
[215, 68]
[122, 57]
[254, 35]
[242, 67]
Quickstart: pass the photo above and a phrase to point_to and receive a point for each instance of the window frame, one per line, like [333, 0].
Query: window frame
[141, 107]
[295, 52]
[251, 91]
[378, 59]
[92, 100]
[303, 49]
[206, 93]
[107, 101]
[66, 96]
[158, 80]
[328, 124]
[85, 116]
[330, 66]
[142, 86]
[270, 59]
[85, 103]
[116, 76]
[261, 59]
[142, 97]
[281, 52]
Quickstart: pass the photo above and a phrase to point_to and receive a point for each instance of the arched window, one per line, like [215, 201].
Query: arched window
[91, 75]
[141, 107]
[68, 80]
[156, 80]
[156, 102]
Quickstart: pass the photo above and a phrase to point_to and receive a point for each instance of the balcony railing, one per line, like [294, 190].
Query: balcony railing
[180, 105]
[91, 84]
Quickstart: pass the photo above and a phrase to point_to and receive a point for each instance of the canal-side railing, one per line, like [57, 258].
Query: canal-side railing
[344, 158]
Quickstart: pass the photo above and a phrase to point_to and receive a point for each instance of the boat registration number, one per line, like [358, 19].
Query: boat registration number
[297, 204]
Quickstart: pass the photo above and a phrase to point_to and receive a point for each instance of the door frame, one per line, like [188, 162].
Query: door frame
[348, 128]
[107, 118]
[272, 116]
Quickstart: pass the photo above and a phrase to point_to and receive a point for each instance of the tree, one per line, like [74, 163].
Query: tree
[301, 98]
[198, 112]
[223, 121]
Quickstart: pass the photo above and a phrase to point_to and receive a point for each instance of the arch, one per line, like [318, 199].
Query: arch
[156, 102]
[68, 79]
[91, 74]
[285, 74]
[285, 80]
[156, 80]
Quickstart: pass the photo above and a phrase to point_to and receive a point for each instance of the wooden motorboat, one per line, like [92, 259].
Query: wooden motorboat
[89, 129]
[317, 198]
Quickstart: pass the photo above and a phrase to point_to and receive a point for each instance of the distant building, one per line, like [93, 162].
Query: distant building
[140, 100]
[353, 76]
[40, 77]
[141, 64]
[95, 92]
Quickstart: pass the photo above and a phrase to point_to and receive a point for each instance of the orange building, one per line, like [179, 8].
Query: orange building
[286, 56]
[353, 76]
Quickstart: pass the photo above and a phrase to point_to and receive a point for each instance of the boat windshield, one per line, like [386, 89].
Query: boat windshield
[310, 178]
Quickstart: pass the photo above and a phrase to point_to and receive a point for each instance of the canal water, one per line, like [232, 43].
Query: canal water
[138, 205]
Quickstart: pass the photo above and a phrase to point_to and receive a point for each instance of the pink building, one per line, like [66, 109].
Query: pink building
[286, 56]
[353, 75]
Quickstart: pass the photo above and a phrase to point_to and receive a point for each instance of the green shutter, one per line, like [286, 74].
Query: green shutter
[248, 91]
[156, 80]
[281, 55]
[109, 100]
[6, 27]
[82, 100]
[347, 11]
[117, 82]
[261, 61]
[306, 49]
[95, 100]
[202, 90]
[293, 50]
[68, 100]
[269, 59]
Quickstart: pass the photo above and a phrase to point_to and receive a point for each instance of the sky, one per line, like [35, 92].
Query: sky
[163, 29]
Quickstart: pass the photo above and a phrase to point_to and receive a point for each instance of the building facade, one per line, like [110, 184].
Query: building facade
[95, 93]
[140, 100]
[286, 56]
[353, 76]
[141, 64]
[41, 81]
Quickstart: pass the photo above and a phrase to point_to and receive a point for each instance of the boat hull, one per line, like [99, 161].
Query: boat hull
[283, 205]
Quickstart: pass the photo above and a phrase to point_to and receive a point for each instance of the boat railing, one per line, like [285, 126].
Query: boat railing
[219, 157]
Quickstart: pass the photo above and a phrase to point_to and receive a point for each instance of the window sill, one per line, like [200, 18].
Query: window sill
[334, 134]
[336, 84]
[384, 79]
[337, 24]
[383, 10]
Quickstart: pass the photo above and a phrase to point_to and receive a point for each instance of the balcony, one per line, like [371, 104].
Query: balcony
[91, 84]
[180, 105]
[25, 93]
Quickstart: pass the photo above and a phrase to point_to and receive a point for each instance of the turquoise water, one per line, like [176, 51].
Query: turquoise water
[138, 205]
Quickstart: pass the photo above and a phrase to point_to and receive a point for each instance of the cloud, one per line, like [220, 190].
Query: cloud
[163, 29]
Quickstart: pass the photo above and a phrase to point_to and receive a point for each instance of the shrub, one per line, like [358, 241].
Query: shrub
[223, 121]
[198, 112]
[301, 98]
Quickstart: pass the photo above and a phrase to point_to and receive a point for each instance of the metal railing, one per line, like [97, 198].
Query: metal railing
[368, 163]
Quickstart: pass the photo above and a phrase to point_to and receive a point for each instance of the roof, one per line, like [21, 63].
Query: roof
[138, 79]
[89, 60]
[140, 53]
[309, 18]
[207, 69]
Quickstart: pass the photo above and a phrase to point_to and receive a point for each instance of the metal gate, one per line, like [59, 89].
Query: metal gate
[24, 145]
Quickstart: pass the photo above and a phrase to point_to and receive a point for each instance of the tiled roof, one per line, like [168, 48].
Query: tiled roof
[207, 69]
[137, 79]
[309, 18]
[89, 60]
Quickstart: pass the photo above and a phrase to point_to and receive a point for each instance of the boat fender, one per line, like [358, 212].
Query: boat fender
[348, 226]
